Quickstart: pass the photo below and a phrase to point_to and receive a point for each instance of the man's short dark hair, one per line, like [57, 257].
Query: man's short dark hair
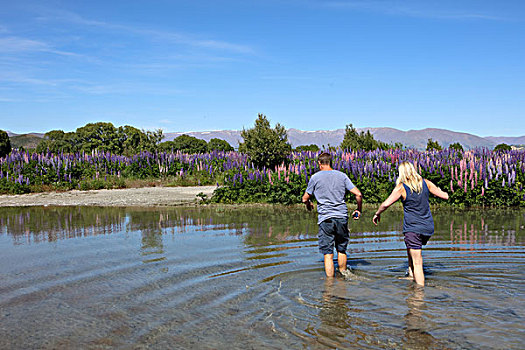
[325, 158]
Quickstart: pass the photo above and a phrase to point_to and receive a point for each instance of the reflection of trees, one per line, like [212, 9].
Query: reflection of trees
[36, 224]
[152, 246]
[259, 225]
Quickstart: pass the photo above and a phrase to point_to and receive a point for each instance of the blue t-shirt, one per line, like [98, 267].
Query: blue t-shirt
[329, 188]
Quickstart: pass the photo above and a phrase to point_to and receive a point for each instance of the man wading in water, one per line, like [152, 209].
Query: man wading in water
[329, 187]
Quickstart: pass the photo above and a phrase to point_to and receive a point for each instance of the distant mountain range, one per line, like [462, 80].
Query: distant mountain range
[411, 138]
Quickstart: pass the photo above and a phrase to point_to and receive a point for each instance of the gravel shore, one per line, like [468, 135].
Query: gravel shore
[128, 197]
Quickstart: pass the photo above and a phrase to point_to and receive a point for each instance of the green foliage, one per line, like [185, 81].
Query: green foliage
[353, 140]
[56, 141]
[186, 144]
[265, 146]
[132, 140]
[455, 146]
[219, 145]
[102, 137]
[502, 147]
[307, 148]
[433, 145]
[5, 144]
[10, 187]
[253, 191]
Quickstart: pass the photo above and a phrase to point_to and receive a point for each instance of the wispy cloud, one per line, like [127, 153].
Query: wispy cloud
[285, 77]
[14, 44]
[123, 89]
[153, 34]
[19, 79]
[409, 9]
[7, 99]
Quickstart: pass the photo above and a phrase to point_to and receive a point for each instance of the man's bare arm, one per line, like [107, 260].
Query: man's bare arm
[359, 199]
[306, 201]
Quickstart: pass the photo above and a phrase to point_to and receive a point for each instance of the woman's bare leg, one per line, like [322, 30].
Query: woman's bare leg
[417, 266]
[410, 268]
[410, 265]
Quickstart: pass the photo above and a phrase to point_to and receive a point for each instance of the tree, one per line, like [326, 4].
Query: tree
[433, 145]
[502, 147]
[305, 148]
[265, 146]
[354, 140]
[219, 145]
[56, 141]
[100, 136]
[5, 144]
[104, 137]
[185, 144]
[134, 141]
[456, 146]
[154, 138]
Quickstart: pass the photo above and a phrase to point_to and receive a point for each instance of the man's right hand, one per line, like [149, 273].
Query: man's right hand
[309, 205]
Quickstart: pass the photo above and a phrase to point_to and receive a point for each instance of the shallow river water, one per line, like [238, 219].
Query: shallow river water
[252, 278]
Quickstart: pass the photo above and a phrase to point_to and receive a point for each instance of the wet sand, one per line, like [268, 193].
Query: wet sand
[128, 197]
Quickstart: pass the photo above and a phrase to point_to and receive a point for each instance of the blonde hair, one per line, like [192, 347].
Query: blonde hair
[409, 176]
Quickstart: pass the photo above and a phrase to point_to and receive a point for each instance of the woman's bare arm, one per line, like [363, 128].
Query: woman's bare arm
[436, 191]
[394, 197]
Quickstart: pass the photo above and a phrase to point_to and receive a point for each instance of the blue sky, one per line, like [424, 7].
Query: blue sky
[310, 64]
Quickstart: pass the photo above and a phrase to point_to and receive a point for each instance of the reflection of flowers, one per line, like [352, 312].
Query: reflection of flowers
[473, 234]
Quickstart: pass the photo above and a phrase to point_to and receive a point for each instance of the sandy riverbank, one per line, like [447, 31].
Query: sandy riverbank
[128, 197]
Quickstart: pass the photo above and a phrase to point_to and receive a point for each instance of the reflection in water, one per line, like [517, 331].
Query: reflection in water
[333, 314]
[479, 233]
[229, 277]
[258, 226]
[338, 328]
[417, 330]
[38, 224]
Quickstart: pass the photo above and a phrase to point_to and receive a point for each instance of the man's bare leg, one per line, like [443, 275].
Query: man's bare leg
[329, 265]
[417, 266]
[341, 261]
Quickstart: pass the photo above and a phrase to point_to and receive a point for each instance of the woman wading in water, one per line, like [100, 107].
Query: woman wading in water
[418, 224]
